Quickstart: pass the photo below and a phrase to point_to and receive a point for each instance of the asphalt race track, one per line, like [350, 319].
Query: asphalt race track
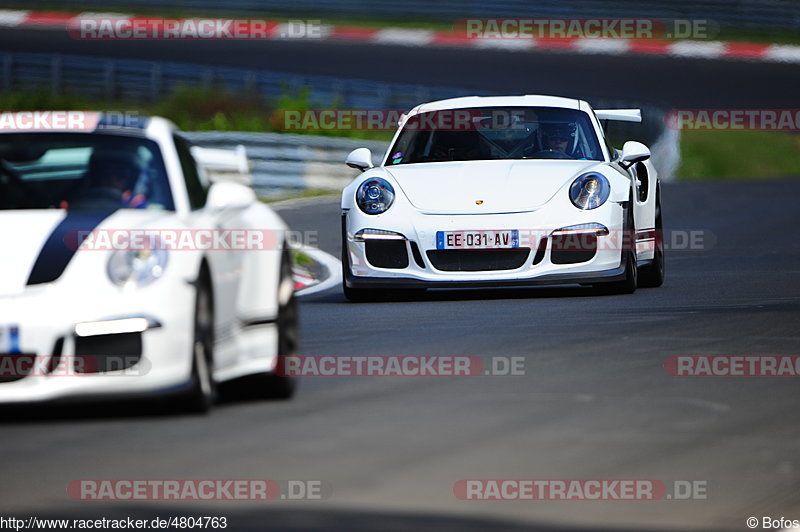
[665, 81]
[595, 401]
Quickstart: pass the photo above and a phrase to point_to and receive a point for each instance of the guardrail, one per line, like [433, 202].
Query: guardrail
[734, 13]
[284, 162]
[138, 80]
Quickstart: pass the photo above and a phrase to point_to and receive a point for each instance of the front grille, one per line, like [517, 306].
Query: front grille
[572, 249]
[55, 358]
[539, 256]
[417, 255]
[107, 352]
[17, 366]
[478, 260]
[387, 253]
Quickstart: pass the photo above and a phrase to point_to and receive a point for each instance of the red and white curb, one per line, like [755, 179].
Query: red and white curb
[302, 279]
[418, 38]
[306, 284]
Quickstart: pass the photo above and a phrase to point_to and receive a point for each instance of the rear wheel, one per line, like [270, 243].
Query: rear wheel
[652, 275]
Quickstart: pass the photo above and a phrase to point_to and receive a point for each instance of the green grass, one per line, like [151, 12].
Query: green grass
[302, 259]
[739, 154]
[297, 194]
[199, 109]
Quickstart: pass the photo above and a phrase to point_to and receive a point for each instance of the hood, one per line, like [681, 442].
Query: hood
[36, 243]
[504, 186]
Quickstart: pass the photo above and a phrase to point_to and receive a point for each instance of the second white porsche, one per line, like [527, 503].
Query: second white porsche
[499, 191]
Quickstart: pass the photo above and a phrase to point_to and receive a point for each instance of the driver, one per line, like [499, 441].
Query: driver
[557, 137]
[112, 176]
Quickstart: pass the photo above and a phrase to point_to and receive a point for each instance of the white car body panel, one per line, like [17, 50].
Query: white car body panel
[496, 195]
[244, 284]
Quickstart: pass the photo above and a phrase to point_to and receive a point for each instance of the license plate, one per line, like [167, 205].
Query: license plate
[477, 239]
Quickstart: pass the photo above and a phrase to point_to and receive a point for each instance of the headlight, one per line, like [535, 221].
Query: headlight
[589, 191]
[137, 266]
[375, 196]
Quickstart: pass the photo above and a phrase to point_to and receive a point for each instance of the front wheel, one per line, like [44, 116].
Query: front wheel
[630, 282]
[627, 285]
[360, 295]
[202, 392]
[277, 386]
[272, 385]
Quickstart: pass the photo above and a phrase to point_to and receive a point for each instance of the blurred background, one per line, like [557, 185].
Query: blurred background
[353, 54]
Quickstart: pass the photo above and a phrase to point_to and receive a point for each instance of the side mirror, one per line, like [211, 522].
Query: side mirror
[360, 158]
[229, 195]
[634, 152]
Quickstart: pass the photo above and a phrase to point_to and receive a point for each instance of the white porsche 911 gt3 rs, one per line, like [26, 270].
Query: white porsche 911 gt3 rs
[503, 191]
[120, 276]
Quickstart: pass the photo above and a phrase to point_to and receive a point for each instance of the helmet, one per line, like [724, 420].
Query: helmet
[558, 131]
[106, 164]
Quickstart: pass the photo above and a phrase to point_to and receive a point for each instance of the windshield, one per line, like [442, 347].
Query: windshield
[486, 133]
[81, 172]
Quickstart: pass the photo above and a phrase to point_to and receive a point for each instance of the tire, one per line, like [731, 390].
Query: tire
[631, 281]
[202, 392]
[356, 295]
[652, 275]
[360, 295]
[278, 386]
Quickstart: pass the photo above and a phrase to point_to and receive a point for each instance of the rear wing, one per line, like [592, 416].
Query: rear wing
[224, 165]
[623, 115]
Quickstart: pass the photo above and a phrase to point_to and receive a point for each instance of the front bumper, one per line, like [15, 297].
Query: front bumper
[541, 266]
[67, 330]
